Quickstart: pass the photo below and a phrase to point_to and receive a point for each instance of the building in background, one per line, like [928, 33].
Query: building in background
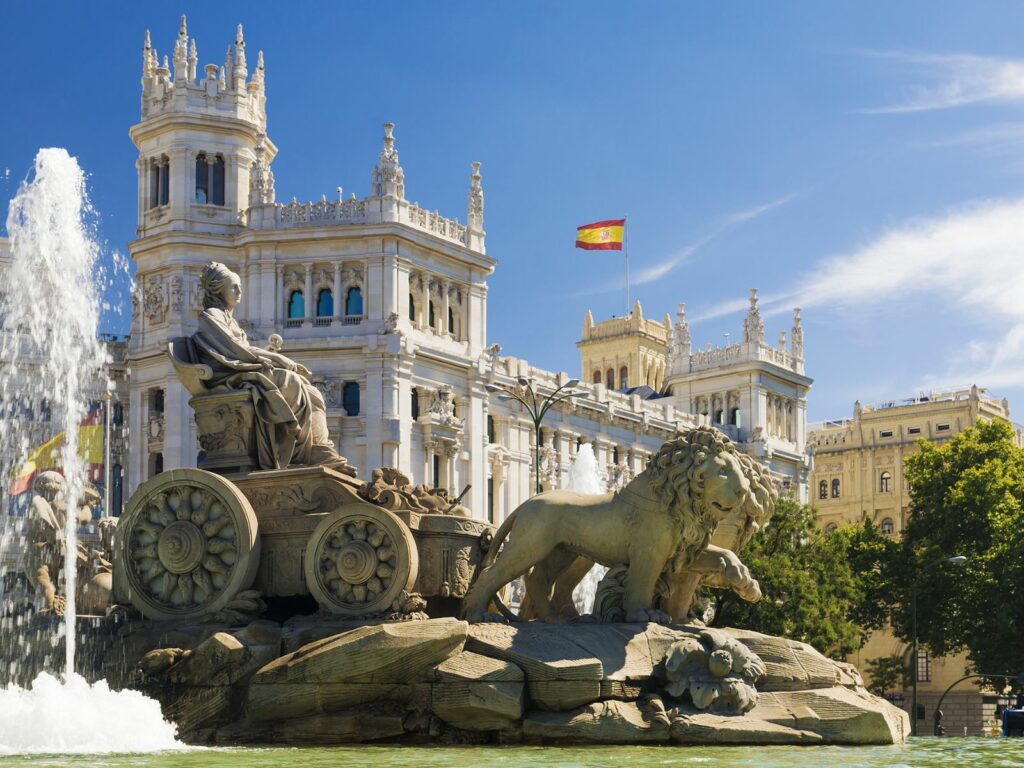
[383, 299]
[859, 473]
[755, 393]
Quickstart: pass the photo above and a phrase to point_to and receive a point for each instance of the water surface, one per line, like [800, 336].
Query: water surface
[968, 753]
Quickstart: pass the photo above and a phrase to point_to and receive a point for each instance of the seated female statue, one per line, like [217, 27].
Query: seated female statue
[291, 416]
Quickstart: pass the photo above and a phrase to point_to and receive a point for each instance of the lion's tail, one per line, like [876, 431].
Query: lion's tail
[492, 554]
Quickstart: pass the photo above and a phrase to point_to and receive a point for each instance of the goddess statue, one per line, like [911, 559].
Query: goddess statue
[291, 416]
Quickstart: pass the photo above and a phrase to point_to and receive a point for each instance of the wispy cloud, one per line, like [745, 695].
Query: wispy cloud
[654, 272]
[953, 80]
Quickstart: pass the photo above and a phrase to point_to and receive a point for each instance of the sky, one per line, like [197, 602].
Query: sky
[861, 160]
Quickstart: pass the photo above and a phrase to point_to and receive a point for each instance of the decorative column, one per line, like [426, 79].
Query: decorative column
[279, 296]
[307, 293]
[445, 287]
[339, 300]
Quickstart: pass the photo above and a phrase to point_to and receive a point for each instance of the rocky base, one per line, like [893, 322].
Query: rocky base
[321, 681]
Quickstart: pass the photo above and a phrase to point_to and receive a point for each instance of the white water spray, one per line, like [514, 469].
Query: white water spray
[52, 360]
[584, 476]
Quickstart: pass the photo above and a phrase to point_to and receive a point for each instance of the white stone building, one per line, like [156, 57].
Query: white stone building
[383, 299]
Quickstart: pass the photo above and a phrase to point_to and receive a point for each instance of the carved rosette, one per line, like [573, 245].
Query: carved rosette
[359, 560]
[187, 544]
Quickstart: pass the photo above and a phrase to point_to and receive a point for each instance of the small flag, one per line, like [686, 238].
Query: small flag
[601, 235]
[47, 455]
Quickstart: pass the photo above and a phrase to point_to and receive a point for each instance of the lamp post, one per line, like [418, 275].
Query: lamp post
[956, 560]
[537, 407]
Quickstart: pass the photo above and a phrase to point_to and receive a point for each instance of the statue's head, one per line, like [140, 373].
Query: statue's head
[49, 484]
[221, 287]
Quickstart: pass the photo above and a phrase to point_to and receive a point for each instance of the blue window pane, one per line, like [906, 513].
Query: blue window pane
[354, 302]
[296, 305]
[325, 303]
[350, 398]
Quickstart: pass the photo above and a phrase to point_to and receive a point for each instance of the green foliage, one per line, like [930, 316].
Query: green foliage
[819, 588]
[887, 674]
[967, 498]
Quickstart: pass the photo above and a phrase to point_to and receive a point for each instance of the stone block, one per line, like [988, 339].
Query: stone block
[363, 665]
[560, 675]
[839, 715]
[790, 664]
[705, 728]
[603, 722]
[374, 722]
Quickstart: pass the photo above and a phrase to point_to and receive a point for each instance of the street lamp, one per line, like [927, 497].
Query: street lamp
[536, 407]
[955, 560]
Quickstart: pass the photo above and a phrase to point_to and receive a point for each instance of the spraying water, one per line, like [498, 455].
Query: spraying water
[53, 362]
[584, 476]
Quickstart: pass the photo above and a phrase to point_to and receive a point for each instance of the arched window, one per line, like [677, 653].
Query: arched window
[431, 319]
[159, 181]
[451, 321]
[623, 377]
[885, 482]
[719, 416]
[823, 489]
[831, 528]
[415, 403]
[209, 179]
[888, 527]
[354, 302]
[350, 398]
[596, 378]
[296, 306]
[835, 488]
[412, 308]
[609, 378]
[325, 303]
[734, 417]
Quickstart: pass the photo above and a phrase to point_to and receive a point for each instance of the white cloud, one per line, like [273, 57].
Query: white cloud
[956, 80]
[969, 260]
[752, 213]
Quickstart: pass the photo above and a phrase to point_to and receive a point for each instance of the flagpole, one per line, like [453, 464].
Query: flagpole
[625, 250]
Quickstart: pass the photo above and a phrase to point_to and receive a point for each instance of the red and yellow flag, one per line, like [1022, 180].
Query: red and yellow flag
[601, 235]
[48, 455]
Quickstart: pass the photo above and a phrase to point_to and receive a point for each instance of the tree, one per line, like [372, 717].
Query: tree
[818, 587]
[888, 673]
[967, 498]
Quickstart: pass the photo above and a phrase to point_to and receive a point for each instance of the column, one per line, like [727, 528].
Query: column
[179, 451]
[279, 297]
[339, 300]
[135, 469]
[424, 300]
[446, 286]
[307, 294]
[475, 439]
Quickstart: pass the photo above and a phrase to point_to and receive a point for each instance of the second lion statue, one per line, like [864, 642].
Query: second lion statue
[660, 523]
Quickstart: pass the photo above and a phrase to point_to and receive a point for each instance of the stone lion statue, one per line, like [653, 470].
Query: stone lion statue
[660, 523]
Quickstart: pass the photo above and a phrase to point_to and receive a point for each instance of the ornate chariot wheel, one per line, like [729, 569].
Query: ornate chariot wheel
[359, 560]
[186, 545]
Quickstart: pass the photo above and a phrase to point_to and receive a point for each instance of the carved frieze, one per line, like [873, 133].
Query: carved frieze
[155, 299]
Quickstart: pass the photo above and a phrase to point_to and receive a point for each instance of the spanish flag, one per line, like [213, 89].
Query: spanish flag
[47, 455]
[601, 235]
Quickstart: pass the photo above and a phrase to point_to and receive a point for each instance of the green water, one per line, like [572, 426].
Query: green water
[920, 753]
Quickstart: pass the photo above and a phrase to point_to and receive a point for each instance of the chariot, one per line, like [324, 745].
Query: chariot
[191, 540]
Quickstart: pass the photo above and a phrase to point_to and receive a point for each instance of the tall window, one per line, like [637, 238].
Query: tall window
[823, 489]
[415, 403]
[623, 378]
[202, 179]
[451, 321]
[835, 488]
[354, 302]
[159, 181]
[719, 415]
[431, 320]
[209, 179]
[885, 482]
[888, 527]
[924, 665]
[116, 490]
[734, 417]
[412, 308]
[491, 438]
[296, 306]
[325, 303]
[350, 398]
[597, 377]
[437, 471]
[609, 378]
[615, 455]
[490, 499]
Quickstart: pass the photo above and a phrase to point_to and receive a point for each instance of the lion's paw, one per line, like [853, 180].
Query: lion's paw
[751, 592]
[646, 615]
[485, 617]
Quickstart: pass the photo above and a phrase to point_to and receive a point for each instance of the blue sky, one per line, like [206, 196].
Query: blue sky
[864, 160]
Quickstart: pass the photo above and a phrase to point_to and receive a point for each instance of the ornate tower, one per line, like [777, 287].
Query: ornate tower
[198, 138]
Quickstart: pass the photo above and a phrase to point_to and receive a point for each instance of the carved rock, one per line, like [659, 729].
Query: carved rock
[477, 693]
[716, 671]
[839, 715]
[363, 665]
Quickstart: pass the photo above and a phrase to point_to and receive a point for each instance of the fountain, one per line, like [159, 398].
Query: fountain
[52, 359]
[584, 476]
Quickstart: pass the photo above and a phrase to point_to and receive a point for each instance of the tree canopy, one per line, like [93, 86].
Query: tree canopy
[818, 587]
[967, 498]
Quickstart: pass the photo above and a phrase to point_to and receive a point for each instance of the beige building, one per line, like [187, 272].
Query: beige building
[754, 392]
[858, 473]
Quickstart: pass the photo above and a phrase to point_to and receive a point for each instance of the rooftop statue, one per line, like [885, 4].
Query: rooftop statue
[291, 416]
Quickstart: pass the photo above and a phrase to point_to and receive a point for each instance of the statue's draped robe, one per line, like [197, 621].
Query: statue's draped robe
[291, 416]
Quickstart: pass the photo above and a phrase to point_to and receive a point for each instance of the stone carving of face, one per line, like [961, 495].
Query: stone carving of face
[232, 293]
[725, 485]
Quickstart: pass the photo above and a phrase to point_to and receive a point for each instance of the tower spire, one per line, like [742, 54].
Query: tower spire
[193, 61]
[261, 178]
[796, 336]
[475, 201]
[681, 336]
[753, 326]
[240, 73]
[181, 53]
[388, 176]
